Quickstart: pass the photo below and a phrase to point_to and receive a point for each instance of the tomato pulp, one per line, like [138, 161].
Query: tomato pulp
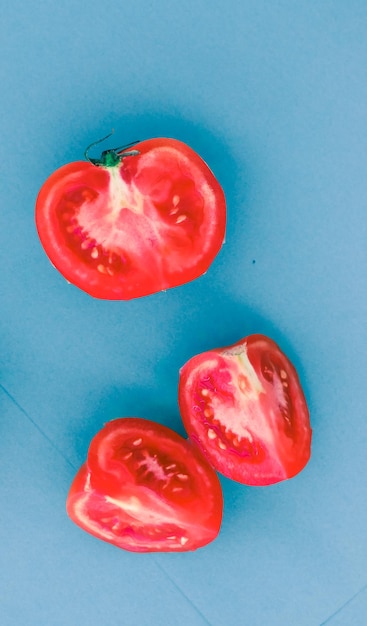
[244, 407]
[134, 222]
[144, 488]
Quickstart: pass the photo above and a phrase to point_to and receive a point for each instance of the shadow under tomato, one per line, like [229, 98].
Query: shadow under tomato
[108, 403]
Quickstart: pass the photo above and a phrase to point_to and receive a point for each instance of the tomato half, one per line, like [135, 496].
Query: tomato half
[144, 488]
[134, 222]
[244, 407]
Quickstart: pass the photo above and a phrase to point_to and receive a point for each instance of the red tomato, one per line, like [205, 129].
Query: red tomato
[244, 407]
[146, 489]
[133, 223]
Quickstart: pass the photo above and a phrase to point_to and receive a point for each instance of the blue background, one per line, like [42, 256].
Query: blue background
[273, 95]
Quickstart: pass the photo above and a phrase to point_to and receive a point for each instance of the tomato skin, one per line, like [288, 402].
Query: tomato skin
[244, 407]
[153, 221]
[144, 488]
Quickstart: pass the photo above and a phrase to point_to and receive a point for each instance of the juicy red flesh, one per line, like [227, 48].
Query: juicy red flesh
[144, 488]
[244, 408]
[77, 239]
[153, 221]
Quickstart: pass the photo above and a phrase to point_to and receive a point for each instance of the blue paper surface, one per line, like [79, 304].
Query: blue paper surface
[273, 95]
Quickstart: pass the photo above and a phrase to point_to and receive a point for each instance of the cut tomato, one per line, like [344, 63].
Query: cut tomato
[144, 488]
[134, 222]
[244, 408]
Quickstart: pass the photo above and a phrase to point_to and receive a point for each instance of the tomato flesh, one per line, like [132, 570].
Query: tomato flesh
[144, 488]
[152, 221]
[244, 408]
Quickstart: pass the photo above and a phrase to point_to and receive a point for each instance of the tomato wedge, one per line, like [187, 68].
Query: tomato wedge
[134, 222]
[244, 408]
[144, 488]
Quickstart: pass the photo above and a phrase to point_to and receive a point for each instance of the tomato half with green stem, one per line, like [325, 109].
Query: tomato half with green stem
[144, 488]
[245, 409]
[134, 222]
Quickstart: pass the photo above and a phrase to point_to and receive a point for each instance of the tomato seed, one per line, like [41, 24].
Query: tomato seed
[283, 374]
[127, 456]
[172, 466]
[267, 368]
[181, 218]
[222, 445]
[182, 477]
[101, 268]
[211, 433]
[137, 442]
[183, 540]
[94, 253]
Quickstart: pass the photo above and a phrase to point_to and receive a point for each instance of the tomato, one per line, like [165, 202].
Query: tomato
[244, 408]
[144, 488]
[134, 222]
